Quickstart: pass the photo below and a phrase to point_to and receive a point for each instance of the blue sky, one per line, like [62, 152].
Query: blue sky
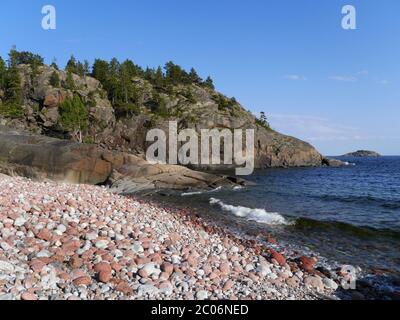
[336, 88]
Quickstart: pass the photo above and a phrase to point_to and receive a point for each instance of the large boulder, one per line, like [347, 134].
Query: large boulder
[42, 158]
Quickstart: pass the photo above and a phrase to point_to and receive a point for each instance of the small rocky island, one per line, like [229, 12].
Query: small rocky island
[363, 154]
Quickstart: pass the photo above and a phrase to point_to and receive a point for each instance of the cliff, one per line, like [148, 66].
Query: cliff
[124, 130]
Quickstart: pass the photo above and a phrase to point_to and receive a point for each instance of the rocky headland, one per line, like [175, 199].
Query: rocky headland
[71, 125]
[363, 154]
[124, 128]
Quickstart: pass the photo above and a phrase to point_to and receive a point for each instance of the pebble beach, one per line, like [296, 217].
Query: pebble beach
[80, 242]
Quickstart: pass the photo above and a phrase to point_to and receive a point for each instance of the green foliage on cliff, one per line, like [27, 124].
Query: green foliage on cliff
[25, 57]
[54, 80]
[159, 107]
[209, 83]
[100, 70]
[126, 109]
[54, 64]
[130, 88]
[3, 73]
[74, 116]
[69, 82]
[11, 110]
[77, 67]
[10, 89]
[10, 86]
[224, 103]
[71, 66]
[127, 85]
[120, 82]
[263, 121]
[13, 90]
[188, 94]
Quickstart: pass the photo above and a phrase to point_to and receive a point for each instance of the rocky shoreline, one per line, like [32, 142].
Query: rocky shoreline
[363, 154]
[64, 241]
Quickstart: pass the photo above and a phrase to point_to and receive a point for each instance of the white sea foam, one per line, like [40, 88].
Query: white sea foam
[257, 215]
[237, 188]
[199, 192]
[186, 194]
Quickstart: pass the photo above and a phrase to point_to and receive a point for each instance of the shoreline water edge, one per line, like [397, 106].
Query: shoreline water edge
[63, 241]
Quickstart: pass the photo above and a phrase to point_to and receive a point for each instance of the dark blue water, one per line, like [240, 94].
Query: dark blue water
[349, 215]
[366, 194]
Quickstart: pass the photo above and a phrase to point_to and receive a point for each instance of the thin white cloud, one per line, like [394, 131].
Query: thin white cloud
[313, 128]
[363, 72]
[384, 82]
[344, 78]
[331, 137]
[295, 77]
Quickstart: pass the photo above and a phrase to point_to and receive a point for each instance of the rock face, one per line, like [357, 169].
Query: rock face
[42, 158]
[333, 163]
[42, 102]
[192, 106]
[363, 153]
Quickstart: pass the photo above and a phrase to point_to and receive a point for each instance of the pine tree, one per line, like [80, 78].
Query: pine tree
[263, 117]
[159, 80]
[71, 65]
[12, 57]
[194, 77]
[86, 68]
[126, 84]
[26, 57]
[54, 80]
[12, 105]
[69, 82]
[175, 74]
[100, 71]
[133, 69]
[160, 105]
[209, 83]
[35, 69]
[54, 64]
[149, 74]
[13, 88]
[113, 82]
[80, 69]
[3, 72]
[263, 121]
[74, 116]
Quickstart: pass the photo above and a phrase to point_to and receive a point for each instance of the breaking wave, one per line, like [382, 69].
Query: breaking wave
[257, 215]
[186, 194]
